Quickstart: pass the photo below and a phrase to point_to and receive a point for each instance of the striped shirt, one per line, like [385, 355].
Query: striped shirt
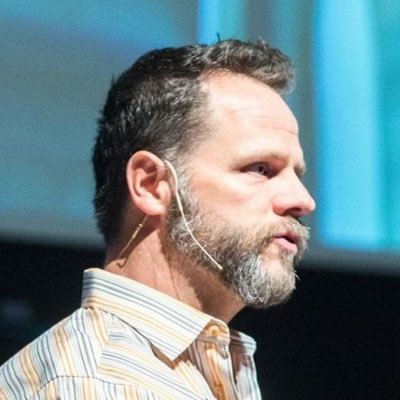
[129, 341]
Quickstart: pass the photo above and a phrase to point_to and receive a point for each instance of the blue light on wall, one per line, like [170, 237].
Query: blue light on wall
[347, 110]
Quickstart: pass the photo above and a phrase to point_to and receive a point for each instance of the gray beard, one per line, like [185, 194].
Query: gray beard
[242, 253]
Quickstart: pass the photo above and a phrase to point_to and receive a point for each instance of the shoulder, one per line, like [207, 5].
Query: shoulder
[71, 348]
[89, 352]
[42, 360]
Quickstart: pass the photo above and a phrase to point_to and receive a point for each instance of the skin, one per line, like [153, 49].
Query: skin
[253, 161]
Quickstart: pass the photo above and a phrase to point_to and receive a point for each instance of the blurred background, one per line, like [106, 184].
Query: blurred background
[339, 336]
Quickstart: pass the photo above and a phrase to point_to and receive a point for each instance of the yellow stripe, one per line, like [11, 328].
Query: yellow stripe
[218, 381]
[99, 328]
[29, 369]
[89, 389]
[97, 324]
[50, 391]
[64, 352]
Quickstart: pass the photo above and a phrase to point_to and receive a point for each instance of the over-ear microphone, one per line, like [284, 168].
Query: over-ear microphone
[134, 234]
[180, 207]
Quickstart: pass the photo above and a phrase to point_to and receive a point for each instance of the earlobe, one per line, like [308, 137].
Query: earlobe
[147, 183]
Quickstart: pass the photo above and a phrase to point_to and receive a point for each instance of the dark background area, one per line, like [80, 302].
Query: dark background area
[338, 337]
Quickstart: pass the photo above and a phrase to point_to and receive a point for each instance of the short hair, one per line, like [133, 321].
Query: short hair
[158, 105]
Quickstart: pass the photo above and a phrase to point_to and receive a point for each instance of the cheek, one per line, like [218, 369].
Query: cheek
[235, 197]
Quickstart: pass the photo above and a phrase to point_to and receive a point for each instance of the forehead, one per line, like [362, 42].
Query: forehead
[246, 115]
[234, 95]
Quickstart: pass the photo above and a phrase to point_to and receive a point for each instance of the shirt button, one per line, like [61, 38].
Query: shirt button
[214, 330]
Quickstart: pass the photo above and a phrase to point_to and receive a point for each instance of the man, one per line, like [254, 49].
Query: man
[198, 196]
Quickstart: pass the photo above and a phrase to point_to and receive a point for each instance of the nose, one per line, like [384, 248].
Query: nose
[293, 200]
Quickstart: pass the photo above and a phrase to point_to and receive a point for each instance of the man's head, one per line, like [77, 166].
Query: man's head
[214, 112]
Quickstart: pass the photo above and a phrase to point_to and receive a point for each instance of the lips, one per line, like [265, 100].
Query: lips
[287, 240]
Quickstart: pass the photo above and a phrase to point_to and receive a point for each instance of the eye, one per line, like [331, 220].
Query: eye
[260, 168]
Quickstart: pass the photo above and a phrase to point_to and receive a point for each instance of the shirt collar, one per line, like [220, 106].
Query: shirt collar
[167, 323]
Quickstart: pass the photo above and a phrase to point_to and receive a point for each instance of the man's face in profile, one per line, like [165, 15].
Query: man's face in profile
[244, 195]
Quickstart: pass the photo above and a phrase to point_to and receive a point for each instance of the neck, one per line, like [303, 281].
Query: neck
[177, 277]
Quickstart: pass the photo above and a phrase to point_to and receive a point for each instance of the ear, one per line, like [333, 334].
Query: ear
[148, 184]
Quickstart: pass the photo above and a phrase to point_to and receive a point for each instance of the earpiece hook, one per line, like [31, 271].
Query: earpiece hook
[135, 233]
[180, 207]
